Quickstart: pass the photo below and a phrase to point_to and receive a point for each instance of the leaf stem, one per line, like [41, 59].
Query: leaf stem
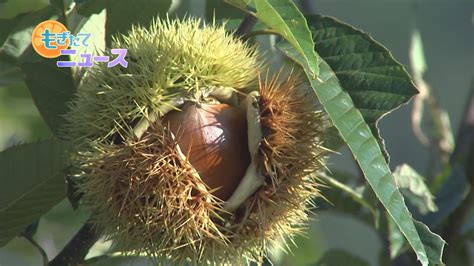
[354, 195]
[40, 249]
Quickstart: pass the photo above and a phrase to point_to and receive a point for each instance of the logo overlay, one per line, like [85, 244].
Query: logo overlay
[51, 39]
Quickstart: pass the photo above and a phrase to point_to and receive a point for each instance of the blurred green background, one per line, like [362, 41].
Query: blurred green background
[447, 32]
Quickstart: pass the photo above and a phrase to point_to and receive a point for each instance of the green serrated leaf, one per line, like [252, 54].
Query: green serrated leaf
[335, 257]
[358, 136]
[94, 24]
[52, 88]
[32, 178]
[122, 14]
[376, 82]
[284, 17]
[414, 189]
[433, 243]
[19, 38]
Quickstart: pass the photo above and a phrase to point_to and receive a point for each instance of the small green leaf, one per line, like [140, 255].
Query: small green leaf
[122, 14]
[414, 188]
[52, 88]
[32, 178]
[376, 82]
[335, 257]
[284, 17]
[365, 148]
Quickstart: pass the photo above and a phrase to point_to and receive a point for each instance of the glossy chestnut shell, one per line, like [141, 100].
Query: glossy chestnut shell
[214, 139]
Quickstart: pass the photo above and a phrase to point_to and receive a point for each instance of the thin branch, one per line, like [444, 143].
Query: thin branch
[77, 249]
[246, 25]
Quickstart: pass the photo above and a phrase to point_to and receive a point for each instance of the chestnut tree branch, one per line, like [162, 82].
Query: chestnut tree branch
[463, 154]
[246, 25]
[76, 250]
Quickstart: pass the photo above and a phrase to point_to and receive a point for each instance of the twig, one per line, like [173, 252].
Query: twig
[246, 25]
[77, 249]
[463, 154]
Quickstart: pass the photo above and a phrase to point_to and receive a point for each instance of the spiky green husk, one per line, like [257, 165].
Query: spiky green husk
[140, 193]
[171, 59]
[144, 194]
